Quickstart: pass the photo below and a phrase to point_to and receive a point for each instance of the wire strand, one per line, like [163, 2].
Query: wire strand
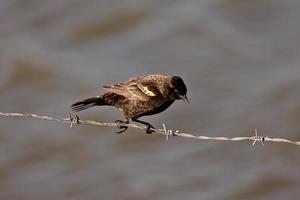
[164, 131]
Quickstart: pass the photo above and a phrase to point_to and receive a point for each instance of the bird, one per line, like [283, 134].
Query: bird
[138, 97]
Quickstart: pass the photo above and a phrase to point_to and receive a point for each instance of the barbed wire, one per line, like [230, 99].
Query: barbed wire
[164, 131]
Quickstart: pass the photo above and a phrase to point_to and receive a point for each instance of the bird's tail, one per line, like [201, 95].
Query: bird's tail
[87, 103]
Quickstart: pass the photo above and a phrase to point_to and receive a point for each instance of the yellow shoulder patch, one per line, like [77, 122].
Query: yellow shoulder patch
[146, 90]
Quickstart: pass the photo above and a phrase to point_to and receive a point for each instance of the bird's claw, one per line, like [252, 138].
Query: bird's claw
[122, 126]
[149, 129]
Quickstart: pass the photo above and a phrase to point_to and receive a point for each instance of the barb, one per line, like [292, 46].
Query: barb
[164, 131]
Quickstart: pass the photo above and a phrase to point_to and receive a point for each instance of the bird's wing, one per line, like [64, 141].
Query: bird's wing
[135, 89]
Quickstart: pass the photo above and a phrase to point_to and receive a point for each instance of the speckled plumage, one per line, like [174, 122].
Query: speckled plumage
[140, 96]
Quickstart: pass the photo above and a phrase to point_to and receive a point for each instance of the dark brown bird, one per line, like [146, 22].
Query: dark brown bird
[139, 97]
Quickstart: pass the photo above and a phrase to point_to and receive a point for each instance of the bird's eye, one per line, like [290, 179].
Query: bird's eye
[179, 86]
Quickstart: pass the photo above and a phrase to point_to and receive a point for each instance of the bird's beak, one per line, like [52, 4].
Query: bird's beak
[184, 98]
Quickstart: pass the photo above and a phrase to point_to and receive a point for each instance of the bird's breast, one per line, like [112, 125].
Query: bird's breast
[141, 108]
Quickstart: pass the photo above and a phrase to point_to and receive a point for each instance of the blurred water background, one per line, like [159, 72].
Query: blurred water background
[239, 58]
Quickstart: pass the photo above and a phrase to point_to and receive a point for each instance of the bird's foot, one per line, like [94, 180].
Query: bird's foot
[149, 129]
[122, 126]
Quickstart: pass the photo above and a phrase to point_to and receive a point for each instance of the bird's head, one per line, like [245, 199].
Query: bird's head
[179, 89]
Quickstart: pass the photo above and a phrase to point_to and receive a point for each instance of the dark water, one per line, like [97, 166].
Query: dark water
[240, 60]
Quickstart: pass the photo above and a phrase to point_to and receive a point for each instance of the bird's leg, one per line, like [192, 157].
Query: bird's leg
[122, 125]
[149, 126]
